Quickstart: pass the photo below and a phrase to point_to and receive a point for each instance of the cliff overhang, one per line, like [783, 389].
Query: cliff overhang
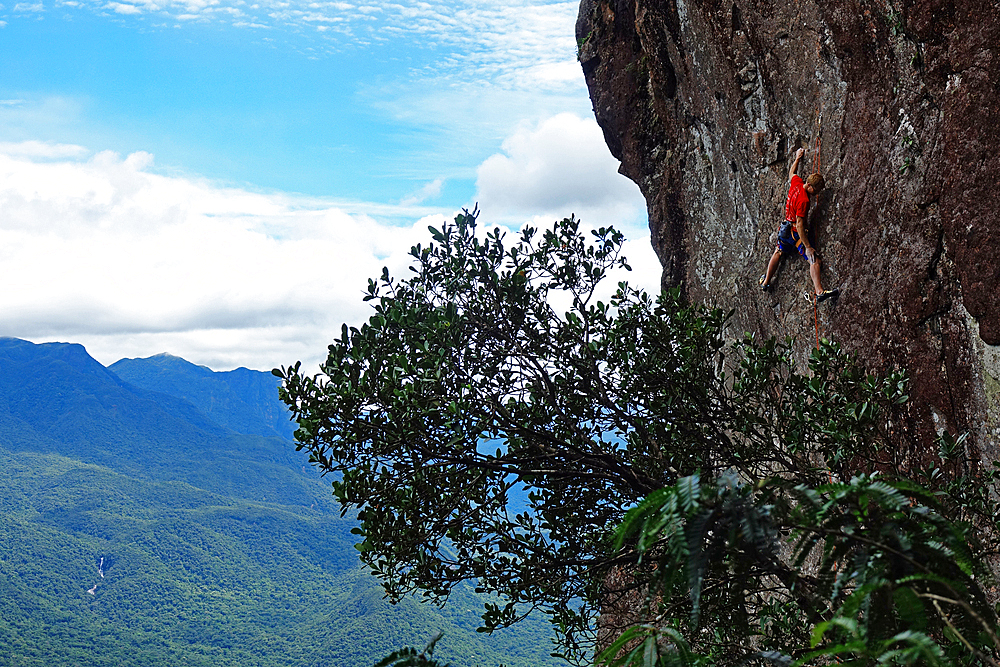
[898, 105]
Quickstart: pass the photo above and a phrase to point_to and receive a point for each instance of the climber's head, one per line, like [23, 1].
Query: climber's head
[814, 183]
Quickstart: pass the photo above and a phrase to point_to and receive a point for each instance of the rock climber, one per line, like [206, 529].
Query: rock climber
[793, 235]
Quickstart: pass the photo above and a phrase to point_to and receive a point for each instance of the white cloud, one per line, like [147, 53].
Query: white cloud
[428, 191]
[41, 149]
[557, 167]
[561, 166]
[121, 8]
[464, 124]
[464, 73]
[130, 263]
[518, 44]
[106, 252]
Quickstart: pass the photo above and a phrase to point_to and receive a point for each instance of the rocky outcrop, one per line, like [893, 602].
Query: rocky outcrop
[898, 105]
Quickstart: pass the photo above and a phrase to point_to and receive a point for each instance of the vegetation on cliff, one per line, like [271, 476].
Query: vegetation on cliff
[616, 464]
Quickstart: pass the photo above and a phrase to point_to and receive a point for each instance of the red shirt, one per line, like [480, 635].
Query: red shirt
[797, 204]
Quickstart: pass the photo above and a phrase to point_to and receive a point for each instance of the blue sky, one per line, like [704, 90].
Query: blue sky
[217, 178]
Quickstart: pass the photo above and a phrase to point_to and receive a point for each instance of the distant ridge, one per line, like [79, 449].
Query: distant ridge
[242, 400]
[138, 530]
[56, 398]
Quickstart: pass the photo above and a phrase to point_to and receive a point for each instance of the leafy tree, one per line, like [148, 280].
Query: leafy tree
[495, 373]
[878, 575]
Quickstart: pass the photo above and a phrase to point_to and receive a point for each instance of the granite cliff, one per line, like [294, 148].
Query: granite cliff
[897, 103]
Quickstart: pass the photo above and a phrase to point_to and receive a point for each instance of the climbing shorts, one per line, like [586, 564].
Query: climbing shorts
[788, 240]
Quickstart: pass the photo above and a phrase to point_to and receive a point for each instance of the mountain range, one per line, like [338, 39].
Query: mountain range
[155, 512]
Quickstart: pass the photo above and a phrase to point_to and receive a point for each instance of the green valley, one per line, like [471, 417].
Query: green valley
[136, 530]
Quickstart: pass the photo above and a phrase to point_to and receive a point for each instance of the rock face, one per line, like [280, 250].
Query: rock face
[898, 105]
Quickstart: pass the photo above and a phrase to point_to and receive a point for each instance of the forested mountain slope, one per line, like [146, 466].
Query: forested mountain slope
[137, 530]
[242, 400]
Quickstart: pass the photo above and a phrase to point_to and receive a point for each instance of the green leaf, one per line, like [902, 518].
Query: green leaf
[688, 490]
[910, 608]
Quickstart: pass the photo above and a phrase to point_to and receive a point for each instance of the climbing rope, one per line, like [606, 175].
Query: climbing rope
[817, 165]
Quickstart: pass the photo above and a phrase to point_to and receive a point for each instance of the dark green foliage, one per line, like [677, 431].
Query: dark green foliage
[757, 511]
[467, 386]
[866, 572]
[408, 657]
[197, 578]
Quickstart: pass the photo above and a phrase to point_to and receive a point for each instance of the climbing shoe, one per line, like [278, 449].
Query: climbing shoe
[760, 281]
[826, 294]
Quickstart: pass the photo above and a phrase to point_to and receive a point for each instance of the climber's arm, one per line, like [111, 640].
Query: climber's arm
[795, 163]
[803, 232]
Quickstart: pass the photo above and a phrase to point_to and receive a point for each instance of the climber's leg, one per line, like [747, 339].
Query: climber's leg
[772, 266]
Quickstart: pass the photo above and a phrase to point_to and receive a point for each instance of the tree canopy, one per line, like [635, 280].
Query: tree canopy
[498, 421]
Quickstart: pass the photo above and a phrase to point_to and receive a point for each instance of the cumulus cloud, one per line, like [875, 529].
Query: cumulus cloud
[104, 251]
[107, 253]
[557, 167]
[561, 166]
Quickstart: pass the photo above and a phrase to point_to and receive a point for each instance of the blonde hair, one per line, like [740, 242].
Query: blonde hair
[815, 180]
